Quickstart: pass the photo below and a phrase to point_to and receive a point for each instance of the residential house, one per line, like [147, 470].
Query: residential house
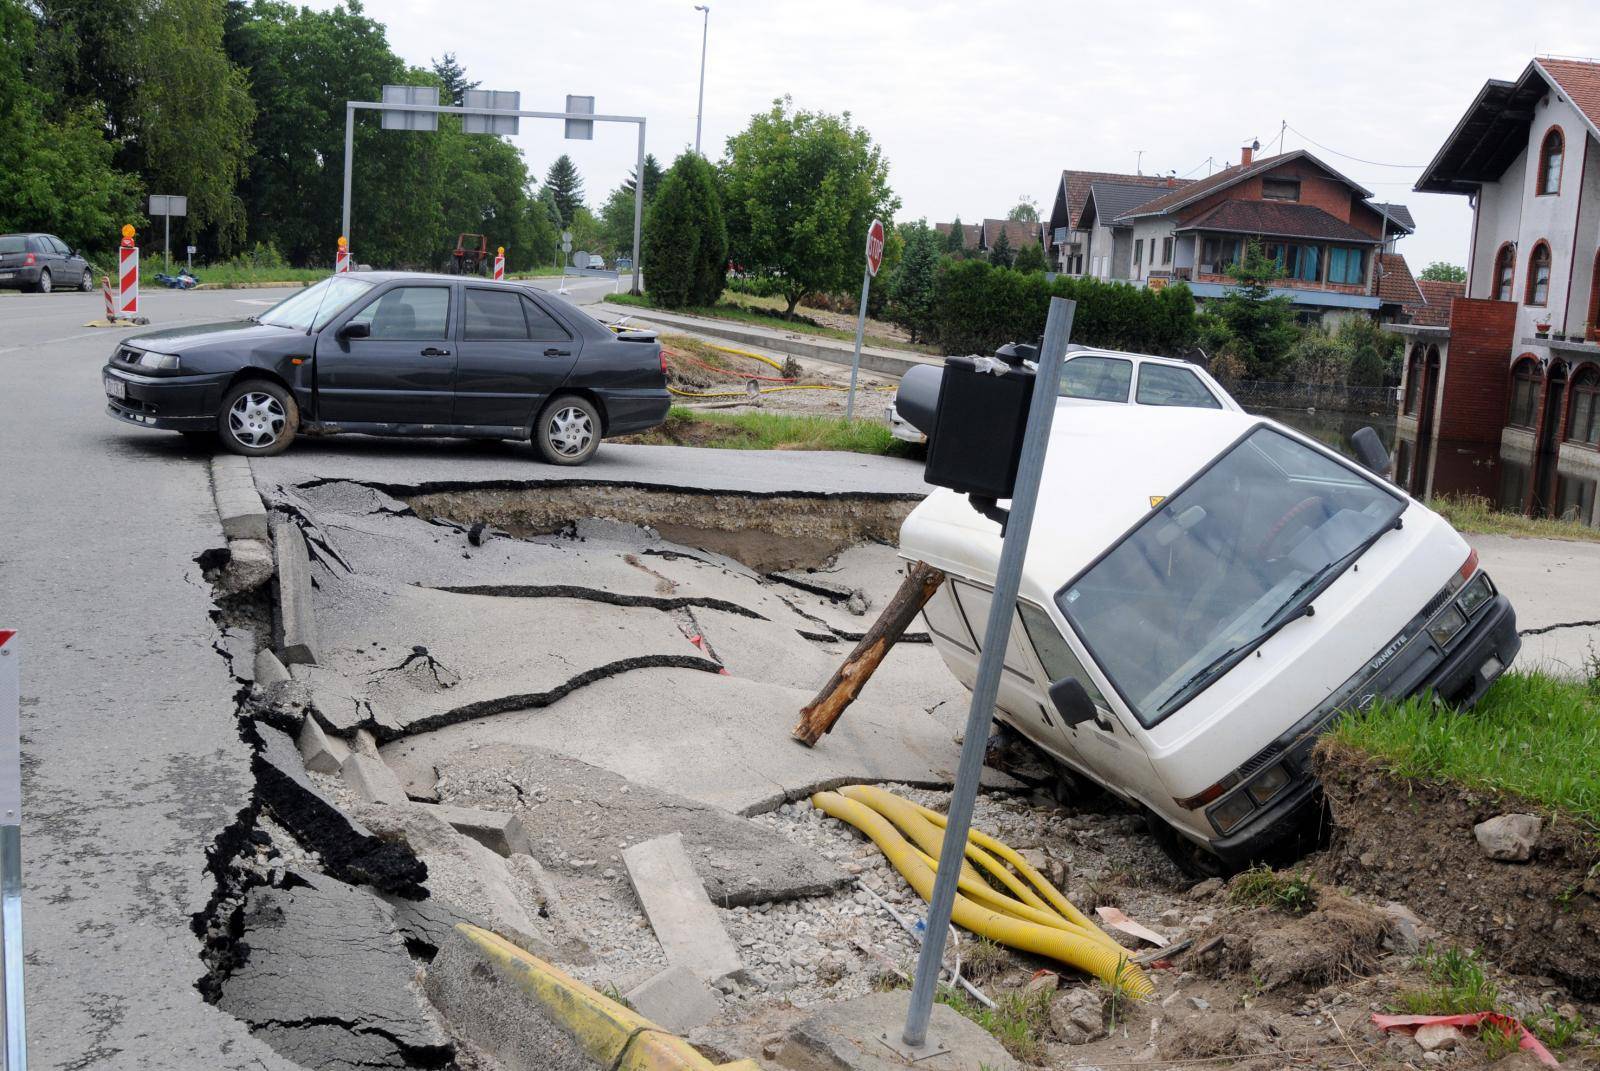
[1066, 248]
[1503, 398]
[982, 236]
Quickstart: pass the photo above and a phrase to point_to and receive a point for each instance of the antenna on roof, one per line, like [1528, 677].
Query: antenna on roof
[1138, 161]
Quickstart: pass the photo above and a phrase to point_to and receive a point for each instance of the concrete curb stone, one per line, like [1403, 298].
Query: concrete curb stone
[371, 779]
[681, 914]
[296, 633]
[239, 506]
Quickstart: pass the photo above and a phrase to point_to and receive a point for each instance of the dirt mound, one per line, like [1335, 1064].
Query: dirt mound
[1340, 938]
[1413, 841]
[1220, 1034]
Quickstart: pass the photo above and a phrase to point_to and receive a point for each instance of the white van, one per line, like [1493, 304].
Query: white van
[1092, 376]
[1204, 592]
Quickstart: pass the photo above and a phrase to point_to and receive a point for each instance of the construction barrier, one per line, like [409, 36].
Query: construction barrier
[128, 275]
[341, 259]
[111, 304]
[500, 265]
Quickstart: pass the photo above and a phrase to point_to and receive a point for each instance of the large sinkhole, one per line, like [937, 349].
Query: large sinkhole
[766, 532]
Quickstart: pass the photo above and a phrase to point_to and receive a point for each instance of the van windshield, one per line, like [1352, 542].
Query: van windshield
[322, 301]
[1221, 566]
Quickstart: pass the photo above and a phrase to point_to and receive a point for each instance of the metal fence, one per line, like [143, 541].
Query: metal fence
[1337, 398]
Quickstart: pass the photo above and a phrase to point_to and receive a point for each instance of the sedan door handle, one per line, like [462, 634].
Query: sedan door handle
[434, 351]
[553, 352]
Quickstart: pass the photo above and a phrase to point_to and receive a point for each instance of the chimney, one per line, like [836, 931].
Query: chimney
[1246, 154]
[1171, 181]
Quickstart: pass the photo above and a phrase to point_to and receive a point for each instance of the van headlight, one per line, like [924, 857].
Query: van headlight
[1230, 812]
[163, 361]
[1268, 783]
[1476, 594]
[1443, 628]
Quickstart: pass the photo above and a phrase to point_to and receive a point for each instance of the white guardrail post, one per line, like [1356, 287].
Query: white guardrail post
[15, 1027]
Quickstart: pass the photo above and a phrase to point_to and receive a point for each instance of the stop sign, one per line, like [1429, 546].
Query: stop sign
[875, 247]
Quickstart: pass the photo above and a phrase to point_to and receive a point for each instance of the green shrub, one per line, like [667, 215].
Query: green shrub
[686, 241]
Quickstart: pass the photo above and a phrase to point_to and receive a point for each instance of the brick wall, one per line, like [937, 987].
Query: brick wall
[1477, 377]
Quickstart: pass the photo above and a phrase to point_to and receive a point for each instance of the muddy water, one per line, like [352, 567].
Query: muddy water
[766, 532]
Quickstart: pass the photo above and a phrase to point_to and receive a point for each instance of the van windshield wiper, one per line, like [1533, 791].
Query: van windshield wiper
[1298, 604]
[1210, 672]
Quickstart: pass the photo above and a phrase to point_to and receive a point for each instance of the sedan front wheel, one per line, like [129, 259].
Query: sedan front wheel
[568, 430]
[258, 419]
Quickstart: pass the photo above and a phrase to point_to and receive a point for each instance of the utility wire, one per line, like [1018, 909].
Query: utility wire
[1347, 156]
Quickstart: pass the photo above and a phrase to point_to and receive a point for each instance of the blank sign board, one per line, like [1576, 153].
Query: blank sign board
[580, 129]
[491, 100]
[423, 95]
[169, 204]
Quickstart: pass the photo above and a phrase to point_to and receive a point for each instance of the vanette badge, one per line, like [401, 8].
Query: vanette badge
[1388, 652]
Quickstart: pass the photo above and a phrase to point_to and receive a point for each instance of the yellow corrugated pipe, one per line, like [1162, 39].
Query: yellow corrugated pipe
[1038, 920]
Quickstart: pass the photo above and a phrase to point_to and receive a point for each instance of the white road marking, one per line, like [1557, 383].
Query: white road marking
[253, 301]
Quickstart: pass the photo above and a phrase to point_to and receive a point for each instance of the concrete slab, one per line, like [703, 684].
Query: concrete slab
[574, 816]
[676, 1000]
[371, 780]
[861, 1035]
[674, 900]
[295, 623]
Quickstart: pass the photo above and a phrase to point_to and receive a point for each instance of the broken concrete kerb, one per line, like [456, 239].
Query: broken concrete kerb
[238, 504]
[295, 633]
[674, 900]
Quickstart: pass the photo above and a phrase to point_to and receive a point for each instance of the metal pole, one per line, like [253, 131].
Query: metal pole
[16, 1034]
[349, 161]
[638, 207]
[1008, 576]
[861, 327]
[700, 109]
[166, 252]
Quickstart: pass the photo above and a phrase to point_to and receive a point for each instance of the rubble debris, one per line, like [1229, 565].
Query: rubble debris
[250, 565]
[372, 780]
[580, 811]
[675, 999]
[295, 632]
[1508, 838]
[818, 717]
[1078, 1015]
[1340, 937]
[860, 1035]
[349, 851]
[1212, 1035]
[495, 830]
[322, 754]
[327, 981]
[674, 900]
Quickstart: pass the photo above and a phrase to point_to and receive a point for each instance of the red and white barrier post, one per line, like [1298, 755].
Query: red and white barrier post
[111, 302]
[341, 259]
[127, 275]
[500, 264]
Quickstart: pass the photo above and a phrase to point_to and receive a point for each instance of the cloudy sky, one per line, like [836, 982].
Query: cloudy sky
[976, 104]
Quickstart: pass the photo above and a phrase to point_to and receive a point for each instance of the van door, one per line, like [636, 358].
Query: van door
[1107, 749]
[1019, 693]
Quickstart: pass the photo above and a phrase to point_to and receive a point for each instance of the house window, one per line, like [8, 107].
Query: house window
[1539, 274]
[1594, 299]
[1524, 392]
[1166, 250]
[1138, 254]
[1302, 262]
[1346, 265]
[1550, 156]
[1583, 422]
[1216, 254]
[1505, 272]
[1280, 189]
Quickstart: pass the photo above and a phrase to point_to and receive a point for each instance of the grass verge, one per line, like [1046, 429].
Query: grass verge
[1455, 983]
[773, 431]
[1018, 1021]
[1532, 735]
[741, 309]
[1261, 887]
[241, 275]
[1473, 513]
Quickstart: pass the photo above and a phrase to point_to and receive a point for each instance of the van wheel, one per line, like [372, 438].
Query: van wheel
[1185, 854]
[568, 430]
[258, 419]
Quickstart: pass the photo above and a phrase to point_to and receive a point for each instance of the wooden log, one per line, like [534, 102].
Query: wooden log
[819, 716]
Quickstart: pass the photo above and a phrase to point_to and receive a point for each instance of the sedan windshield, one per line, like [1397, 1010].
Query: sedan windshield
[1221, 566]
[319, 303]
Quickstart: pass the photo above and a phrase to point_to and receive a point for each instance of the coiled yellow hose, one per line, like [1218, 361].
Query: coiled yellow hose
[1037, 919]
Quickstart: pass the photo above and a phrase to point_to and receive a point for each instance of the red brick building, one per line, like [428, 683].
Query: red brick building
[1502, 398]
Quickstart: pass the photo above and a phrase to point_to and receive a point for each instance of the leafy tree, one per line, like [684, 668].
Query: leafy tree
[1261, 326]
[616, 215]
[1000, 253]
[1030, 258]
[800, 189]
[1319, 359]
[911, 292]
[562, 178]
[453, 84]
[1443, 271]
[955, 242]
[193, 114]
[1026, 210]
[686, 241]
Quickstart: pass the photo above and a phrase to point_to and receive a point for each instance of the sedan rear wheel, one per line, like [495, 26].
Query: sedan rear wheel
[258, 419]
[568, 430]
[43, 286]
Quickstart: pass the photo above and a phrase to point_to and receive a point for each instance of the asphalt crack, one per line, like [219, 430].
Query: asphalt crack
[610, 598]
[1542, 629]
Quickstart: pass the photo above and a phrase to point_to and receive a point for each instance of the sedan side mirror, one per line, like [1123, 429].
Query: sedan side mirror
[356, 329]
[1072, 701]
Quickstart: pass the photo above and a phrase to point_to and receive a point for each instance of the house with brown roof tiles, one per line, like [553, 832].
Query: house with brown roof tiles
[1510, 378]
[1066, 238]
[982, 236]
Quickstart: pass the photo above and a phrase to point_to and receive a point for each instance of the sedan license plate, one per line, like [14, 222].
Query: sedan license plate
[116, 388]
[7, 274]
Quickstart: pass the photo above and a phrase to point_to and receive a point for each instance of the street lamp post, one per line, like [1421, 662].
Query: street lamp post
[700, 110]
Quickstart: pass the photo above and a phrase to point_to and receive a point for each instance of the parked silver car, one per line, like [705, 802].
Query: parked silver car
[42, 263]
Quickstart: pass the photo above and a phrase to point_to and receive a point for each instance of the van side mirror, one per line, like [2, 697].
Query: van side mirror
[1370, 452]
[1072, 701]
[356, 329]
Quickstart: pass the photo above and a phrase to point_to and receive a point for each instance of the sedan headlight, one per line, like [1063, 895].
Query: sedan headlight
[1476, 594]
[1231, 811]
[1269, 783]
[152, 359]
[1446, 625]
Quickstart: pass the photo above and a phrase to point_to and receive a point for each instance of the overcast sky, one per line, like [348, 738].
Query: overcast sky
[975, 104]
